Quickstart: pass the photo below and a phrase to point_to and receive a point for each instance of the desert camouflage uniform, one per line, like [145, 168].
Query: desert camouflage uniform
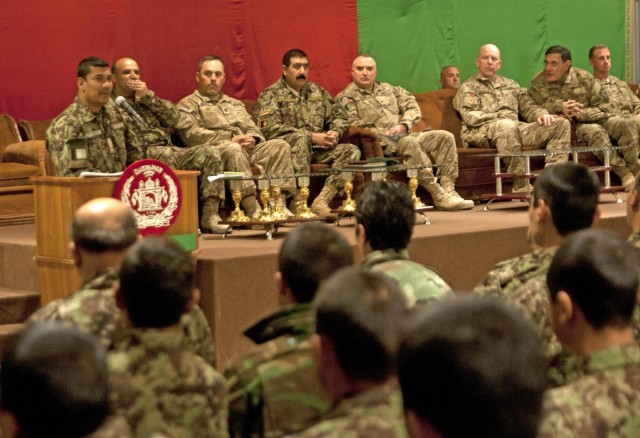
[581, 86]
[418, 282]
[634, 239]
[383, 107]
[93, 310]
[109, 141]
[216, 120]
[490, 111]
[376, 412]
[604, 401]
[161, 386]
[508, 275]
[160, 114]
[623, 123]
[274, 387]
[282, 112]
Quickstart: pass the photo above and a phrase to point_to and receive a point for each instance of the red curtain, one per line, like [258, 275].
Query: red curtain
[43, 42]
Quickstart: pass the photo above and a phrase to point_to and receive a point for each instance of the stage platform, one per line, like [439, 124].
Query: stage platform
[235, 274]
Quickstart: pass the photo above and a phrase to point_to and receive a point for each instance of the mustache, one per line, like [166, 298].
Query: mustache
[301, 76]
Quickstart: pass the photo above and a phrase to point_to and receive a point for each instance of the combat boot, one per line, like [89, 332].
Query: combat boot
[282, 207]
[295, 203]
[448, 186]
[210, 222]
[320, 205]
[444, 201]
[521, 186]
[628, 181]
[251, 207]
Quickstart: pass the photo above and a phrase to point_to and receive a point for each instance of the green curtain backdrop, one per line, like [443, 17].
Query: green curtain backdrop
[413, 39]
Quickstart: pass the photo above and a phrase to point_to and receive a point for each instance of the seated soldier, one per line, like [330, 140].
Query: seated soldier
[593, 284]
[391, 112]
[450, 77]
[208, 116]
[155, 381]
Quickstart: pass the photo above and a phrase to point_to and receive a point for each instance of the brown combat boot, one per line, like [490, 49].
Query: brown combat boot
[521, 186]
[448, 186]
[251, 207]
[444, 201]
[210, 221]
[320, 205]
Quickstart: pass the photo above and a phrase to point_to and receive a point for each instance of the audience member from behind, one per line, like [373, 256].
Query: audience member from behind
[471, 367]
[53, 384]
[156, 382]
[357, 327]
[450, 77]
[593, 283]
[274, 388]
[384, 224]
[565, 199]
[102, 231]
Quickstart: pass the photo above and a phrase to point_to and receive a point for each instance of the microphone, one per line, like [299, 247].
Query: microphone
[122, 102]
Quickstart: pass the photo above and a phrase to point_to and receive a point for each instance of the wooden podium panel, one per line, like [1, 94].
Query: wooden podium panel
[57, 198]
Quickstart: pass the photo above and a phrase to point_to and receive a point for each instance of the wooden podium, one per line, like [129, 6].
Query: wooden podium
[57, 198]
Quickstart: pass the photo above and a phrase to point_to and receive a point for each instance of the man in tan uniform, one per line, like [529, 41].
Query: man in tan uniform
[563, 89]
[491, 105]
[208, 116]
[623, 125]
[391, 112]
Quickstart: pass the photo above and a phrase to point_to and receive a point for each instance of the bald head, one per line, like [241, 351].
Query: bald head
[125, 73]
[489, 61]
[104, 224]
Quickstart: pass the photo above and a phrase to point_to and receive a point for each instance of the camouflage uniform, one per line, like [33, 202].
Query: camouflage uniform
[274, 387]
[605, 401]
[383, 107]
[581, 86]
[215, 120]
[623, 123]
[490, 111]
[160, 114]
[418, 282]
[79, 140]
[93, 310]
[510, 274]
[161, 386]
[282, 112]
[634, 239]
[376, 412]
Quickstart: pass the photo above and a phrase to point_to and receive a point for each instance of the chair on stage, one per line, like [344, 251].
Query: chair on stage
[19, 161]
[33, 129]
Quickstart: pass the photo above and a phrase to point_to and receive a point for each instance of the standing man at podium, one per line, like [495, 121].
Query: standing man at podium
[159, 116]
[91, 134]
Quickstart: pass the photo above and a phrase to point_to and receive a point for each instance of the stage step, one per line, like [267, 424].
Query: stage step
[16, 305]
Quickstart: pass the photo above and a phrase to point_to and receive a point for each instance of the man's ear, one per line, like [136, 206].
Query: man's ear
[419, 427]
[119, 299]
[596, 216]
[562, 308]
[193, 301]
[76, 254]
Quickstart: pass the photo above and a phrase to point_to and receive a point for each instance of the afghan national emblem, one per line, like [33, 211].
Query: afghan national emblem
[152, 189]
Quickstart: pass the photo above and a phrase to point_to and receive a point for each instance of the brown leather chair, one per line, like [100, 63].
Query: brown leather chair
[34, 129]
[19, 161]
